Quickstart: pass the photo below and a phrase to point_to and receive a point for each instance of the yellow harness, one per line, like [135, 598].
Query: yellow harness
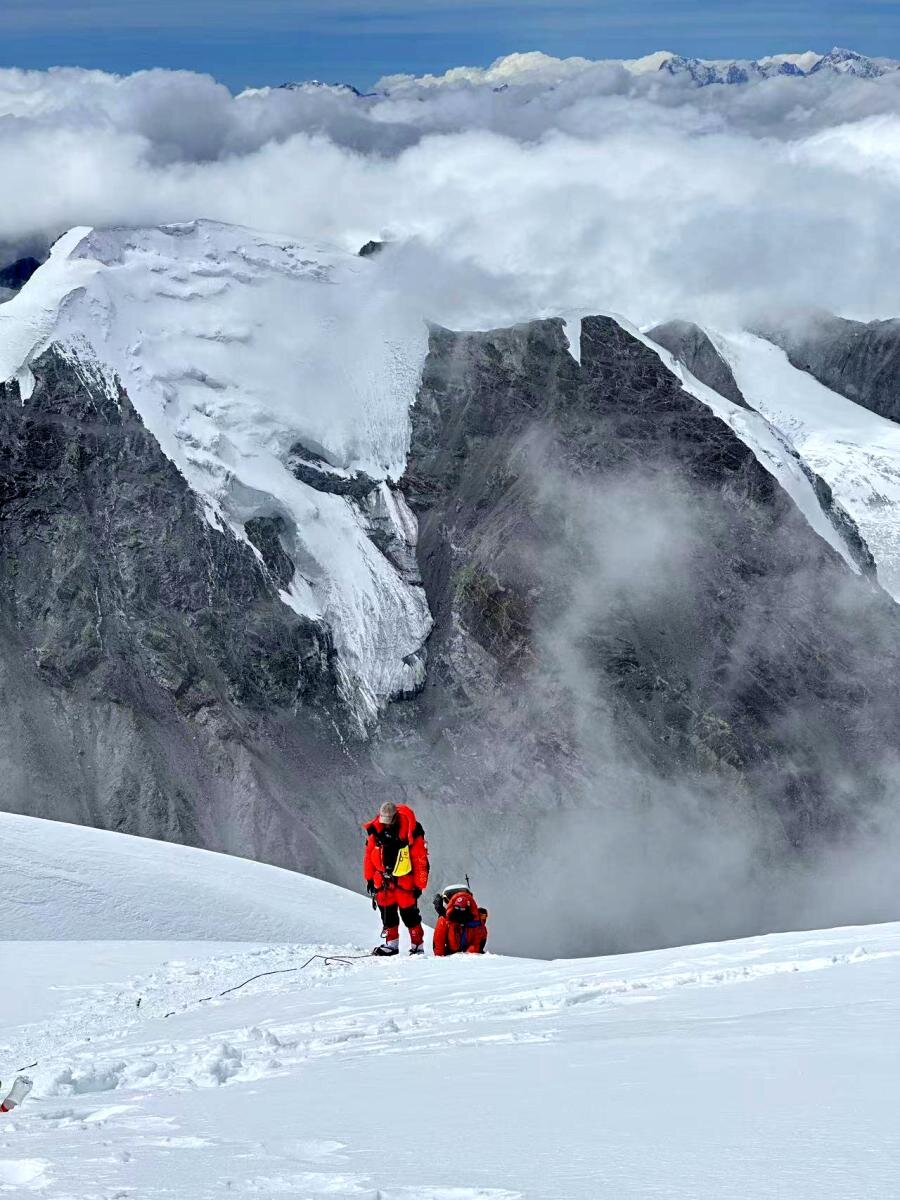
[403, 865]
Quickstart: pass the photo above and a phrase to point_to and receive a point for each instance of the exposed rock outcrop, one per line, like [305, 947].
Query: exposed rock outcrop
[609, 566]
[149, 669]
[859, 360]
[691, 345]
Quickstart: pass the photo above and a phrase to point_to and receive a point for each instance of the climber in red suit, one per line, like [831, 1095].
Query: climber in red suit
[395, 868]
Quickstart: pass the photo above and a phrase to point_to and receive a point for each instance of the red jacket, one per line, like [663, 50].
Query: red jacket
[382, 849]
[462, 928]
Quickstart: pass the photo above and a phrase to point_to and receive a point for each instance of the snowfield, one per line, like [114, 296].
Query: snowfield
[760, 1068]
[69, 882]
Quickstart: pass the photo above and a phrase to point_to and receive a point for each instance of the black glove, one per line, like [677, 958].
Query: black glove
[417, 892]
[370, 887]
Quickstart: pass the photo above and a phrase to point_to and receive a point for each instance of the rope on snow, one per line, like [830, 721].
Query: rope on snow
[326, 958]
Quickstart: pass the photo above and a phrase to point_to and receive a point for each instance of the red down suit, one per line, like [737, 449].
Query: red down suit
[396, 862]
[462, 927]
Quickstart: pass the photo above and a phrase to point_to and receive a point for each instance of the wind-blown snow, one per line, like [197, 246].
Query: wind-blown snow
[747, 1070]
[233, 346]
[854, 450]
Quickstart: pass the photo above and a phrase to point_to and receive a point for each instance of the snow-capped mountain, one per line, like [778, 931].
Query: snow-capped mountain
[274, 550]
[219, 338]
[536, 68]
[336, 88]
[842, 62]
[168, 1060]
[851, 452]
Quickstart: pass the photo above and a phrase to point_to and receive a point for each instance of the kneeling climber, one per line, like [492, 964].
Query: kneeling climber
[461, 926]
[395, 869]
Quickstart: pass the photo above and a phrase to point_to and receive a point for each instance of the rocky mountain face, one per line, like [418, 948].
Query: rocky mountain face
[152, 680]
[643, 660]
[691, 345]
[860, 360]
[628, 610]
[595, 518]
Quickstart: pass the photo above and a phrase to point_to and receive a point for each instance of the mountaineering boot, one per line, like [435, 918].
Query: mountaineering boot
[17, 1093]
[386, 951]
[417, 936]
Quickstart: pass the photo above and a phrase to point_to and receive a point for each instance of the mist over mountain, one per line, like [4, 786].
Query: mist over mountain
[570, 516]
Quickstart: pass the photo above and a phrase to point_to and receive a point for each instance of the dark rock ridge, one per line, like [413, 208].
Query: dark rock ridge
[859, 360]
[312, 469]
[150, 676]
[17, 273]
[691, 345]
[266, 534]
[628, 608]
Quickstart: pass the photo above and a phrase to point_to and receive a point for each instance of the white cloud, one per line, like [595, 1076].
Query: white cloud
[581, 186]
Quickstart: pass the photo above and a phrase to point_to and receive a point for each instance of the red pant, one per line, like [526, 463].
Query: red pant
[397, 904]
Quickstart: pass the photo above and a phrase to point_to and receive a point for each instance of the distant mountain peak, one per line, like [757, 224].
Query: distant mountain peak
[535, 69]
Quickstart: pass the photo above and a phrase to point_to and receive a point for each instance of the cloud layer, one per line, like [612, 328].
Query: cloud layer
[578, 187]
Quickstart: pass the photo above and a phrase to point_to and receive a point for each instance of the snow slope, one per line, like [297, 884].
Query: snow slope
[763, 1068]
[854, 450]
[233, 346]
[70, 882]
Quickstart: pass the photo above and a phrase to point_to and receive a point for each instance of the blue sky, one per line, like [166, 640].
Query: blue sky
[270, 41]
